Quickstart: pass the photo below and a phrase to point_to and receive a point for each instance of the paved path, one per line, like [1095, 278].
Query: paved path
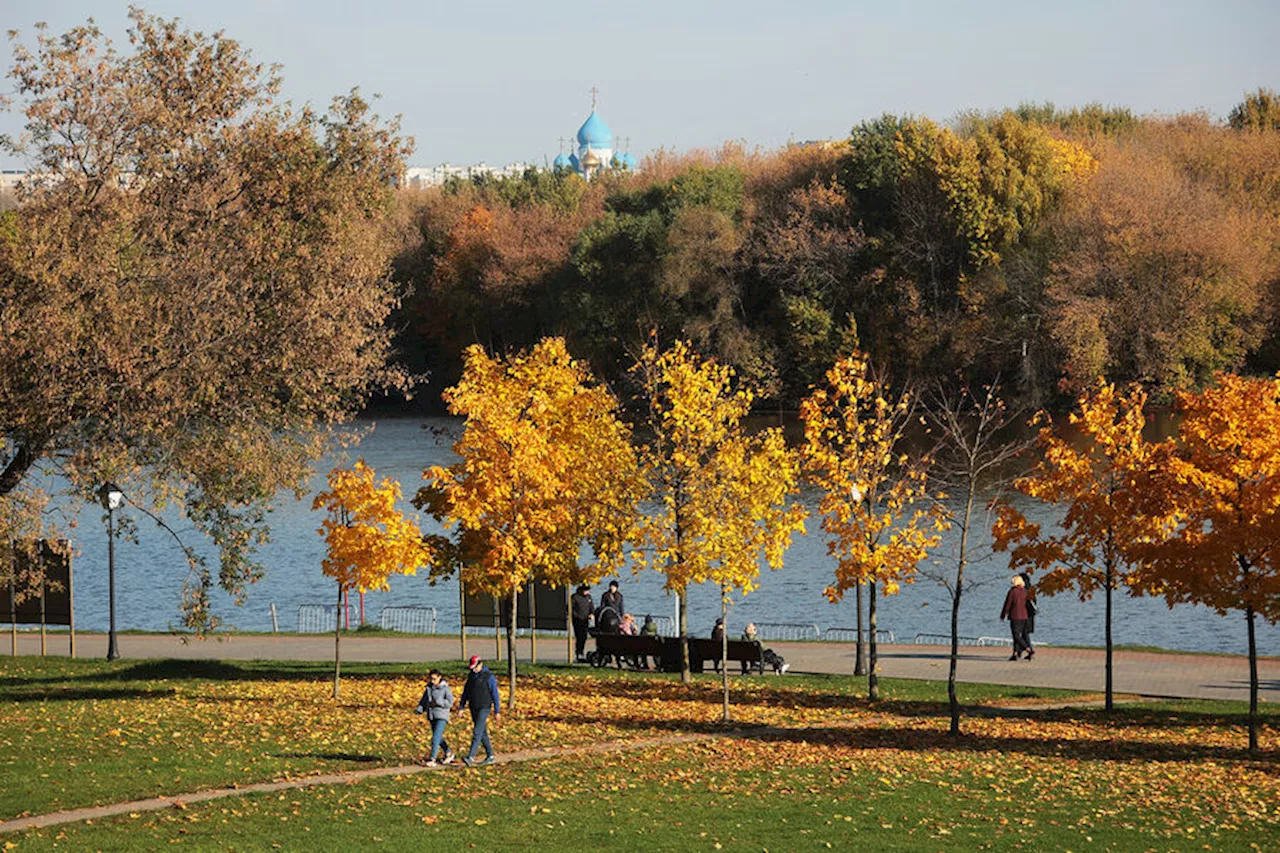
[1143, 673]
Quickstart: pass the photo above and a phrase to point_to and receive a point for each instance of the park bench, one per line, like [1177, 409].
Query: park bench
[702, 649]
[628, 648]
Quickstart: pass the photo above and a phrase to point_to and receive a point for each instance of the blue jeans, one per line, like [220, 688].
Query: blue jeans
[480, 735]
[437, 738]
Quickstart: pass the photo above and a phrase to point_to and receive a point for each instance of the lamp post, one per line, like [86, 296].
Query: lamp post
[111, 498]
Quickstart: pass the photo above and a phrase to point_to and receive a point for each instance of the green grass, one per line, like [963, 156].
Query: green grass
[668, 802]
[80, 732]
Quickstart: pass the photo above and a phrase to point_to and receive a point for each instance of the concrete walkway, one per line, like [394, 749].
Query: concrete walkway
[1143, 673]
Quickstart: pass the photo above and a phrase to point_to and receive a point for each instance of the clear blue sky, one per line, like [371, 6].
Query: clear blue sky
[501, 81]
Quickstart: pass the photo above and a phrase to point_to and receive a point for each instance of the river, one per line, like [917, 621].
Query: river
[150, 572]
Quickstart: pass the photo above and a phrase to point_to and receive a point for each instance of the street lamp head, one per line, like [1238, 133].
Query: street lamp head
[111, 496]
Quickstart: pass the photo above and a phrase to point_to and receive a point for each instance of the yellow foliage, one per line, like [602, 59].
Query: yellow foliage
[852, 429]
[722, 497]
[546, 465]
[368, 538]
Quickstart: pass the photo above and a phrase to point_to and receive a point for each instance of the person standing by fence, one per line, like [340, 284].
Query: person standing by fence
[1015, 610]
[481, 694]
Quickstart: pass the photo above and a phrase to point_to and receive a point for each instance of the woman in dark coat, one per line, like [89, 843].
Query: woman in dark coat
[1031, 604]
[1015, 610]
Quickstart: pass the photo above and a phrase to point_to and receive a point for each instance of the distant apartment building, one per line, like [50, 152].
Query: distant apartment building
[419, 177]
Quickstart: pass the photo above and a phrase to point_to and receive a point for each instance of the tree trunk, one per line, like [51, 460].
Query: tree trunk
[860, 661]
[962, 561]
[953, 701]
[23, 458]
[873, 681]
[1253, 683]
[1110, 700]
[724, 648]
[686, 676]
[511, 649]
[337, 641]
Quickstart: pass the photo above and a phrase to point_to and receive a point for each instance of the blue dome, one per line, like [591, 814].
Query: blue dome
[574, 164]
[617, 162]
[594, 133]
[630, 162]
[562, 162]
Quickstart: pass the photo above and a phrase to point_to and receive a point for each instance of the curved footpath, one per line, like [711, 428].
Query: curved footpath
[1186, 675]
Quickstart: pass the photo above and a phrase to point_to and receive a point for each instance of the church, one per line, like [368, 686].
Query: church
[595, 149]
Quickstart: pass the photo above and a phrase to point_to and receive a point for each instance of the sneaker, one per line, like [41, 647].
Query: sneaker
[424, 762]
[490, 759]
[448, 759]
[469, 761]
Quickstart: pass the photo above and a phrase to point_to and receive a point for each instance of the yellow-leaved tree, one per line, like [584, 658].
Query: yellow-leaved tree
[1090, 469]
[1220, 479]
[721, 497]
[369, 539]
[872, 491]
[546, 466]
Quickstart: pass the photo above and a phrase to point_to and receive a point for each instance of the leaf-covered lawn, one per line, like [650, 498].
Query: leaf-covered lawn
[833, 769]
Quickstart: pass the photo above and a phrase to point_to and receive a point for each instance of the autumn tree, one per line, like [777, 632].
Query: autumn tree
[1090, 469]
[721, 497]
[546, 466]
[1220, 480]
[873, 502]
[368, 539]
[1160, 276]
[1260, 110]
[192, 286]
[976, 442]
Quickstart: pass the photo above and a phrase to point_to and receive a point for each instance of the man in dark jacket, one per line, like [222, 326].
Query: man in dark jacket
[581, 609]
[481, 693]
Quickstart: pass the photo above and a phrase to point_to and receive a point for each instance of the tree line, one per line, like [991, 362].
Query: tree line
[548, 465]
[1042, 245]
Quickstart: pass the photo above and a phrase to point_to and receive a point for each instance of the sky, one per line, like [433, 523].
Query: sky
[499, 82]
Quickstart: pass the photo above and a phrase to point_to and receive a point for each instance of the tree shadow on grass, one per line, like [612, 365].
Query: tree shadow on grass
[79, 693]
[163, 669]
[930, 740]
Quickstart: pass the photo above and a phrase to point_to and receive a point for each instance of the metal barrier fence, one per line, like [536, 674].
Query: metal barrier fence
[317, 618]
[416, 619]
[850, 635]
[787, 631]
[666, 625]
[945, 640]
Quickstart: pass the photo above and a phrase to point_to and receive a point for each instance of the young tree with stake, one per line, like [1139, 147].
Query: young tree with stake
[546, 466]
[854, 427]
[368, 538]
[1093, 475]
[722, 497]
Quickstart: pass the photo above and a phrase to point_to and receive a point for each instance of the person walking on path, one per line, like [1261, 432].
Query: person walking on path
[481, 694]
[436, 703]
[1015, 610]
[582, 608]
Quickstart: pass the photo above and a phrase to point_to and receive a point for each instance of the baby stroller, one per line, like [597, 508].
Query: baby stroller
[607, 622]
